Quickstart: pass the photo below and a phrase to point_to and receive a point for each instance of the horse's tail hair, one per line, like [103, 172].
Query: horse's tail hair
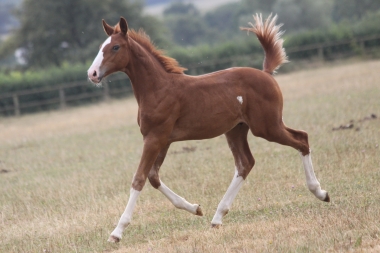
[269, 35]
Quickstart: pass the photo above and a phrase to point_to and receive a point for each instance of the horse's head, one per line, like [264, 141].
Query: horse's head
[112, 56]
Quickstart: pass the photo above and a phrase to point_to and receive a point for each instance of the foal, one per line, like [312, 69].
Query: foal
[176, 107]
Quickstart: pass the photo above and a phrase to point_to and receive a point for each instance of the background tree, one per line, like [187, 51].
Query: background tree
[257, 6]
[353, 9]
[55, 31]
[225, 18]
[185, 23]
[180, 8]
[303, 14]
[7, 20]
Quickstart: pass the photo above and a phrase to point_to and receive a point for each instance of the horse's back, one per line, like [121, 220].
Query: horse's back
[251, 82]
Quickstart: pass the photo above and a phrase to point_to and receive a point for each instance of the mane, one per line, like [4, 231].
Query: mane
[170, 64]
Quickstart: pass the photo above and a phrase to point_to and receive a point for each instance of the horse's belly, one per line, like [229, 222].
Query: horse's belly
[204, 127]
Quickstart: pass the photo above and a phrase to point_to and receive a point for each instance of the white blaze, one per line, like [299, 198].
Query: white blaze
[240, 99]
[98, 59]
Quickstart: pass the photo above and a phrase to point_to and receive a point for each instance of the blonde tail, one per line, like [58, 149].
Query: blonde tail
[269, 35]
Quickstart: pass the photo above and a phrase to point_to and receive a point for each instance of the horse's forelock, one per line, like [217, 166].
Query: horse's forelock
[117, 29]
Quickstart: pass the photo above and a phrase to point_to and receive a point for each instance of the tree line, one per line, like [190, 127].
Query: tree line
[189, 27]
[54, 32]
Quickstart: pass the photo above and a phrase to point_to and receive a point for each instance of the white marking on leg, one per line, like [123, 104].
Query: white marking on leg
[312, 181]
[240, 99]
[177, 200]
[228, 198]
[126, 218]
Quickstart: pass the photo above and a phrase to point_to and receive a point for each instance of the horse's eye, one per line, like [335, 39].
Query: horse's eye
[115, 48]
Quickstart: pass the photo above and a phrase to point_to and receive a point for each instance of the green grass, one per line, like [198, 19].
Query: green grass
[65, 178]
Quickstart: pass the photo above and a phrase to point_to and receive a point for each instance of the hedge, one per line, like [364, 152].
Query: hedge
[240, 51]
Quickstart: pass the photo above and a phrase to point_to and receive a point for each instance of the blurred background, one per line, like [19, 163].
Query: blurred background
[46, 46]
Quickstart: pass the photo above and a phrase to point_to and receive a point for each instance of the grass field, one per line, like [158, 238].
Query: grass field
[65, 178]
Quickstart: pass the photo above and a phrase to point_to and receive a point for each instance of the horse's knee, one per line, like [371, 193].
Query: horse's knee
[138, 182]
[245, 167]
[251, 162]
[154, 179]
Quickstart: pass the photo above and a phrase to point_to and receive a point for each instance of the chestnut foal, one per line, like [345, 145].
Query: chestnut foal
[176, 107]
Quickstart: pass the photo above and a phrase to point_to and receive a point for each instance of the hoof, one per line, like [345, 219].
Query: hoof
[216, 225]
[199, 211]
[327, 198]
[113, 239]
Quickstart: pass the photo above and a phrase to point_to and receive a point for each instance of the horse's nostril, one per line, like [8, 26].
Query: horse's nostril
[94, 74]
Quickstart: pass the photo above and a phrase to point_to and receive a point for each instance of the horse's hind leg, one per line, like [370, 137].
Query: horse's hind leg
[298, 140]
[237, 141]
[175, 199]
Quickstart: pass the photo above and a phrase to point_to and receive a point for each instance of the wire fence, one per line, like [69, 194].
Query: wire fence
[62, 96]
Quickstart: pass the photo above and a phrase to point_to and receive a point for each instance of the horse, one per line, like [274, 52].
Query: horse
[173, 106]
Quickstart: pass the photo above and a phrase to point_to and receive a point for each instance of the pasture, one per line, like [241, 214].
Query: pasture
[65, 177]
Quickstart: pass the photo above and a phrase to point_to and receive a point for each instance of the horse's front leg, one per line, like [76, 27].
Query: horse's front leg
[177, 201]
[152, 147]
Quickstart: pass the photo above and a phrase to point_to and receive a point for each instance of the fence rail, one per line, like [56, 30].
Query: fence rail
[105, 93]
[62, 98]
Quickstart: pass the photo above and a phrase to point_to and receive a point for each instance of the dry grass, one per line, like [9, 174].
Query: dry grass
[65, 178]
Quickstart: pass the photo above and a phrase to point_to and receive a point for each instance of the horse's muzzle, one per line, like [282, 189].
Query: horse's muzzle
[94, 76]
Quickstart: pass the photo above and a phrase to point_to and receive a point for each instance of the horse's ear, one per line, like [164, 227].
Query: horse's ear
[107, 28]
[123, 26]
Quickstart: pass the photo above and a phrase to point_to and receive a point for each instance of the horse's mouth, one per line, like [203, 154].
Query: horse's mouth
[95, 79]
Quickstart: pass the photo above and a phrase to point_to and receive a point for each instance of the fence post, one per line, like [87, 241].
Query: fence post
[62, 99]
[362, 46]
[320, 53]
[16, 104]
[106, 92]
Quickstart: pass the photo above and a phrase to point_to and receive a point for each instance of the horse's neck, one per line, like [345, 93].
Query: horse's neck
[145, 72]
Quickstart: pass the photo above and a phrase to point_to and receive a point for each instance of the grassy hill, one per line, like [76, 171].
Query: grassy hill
[65, 178]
